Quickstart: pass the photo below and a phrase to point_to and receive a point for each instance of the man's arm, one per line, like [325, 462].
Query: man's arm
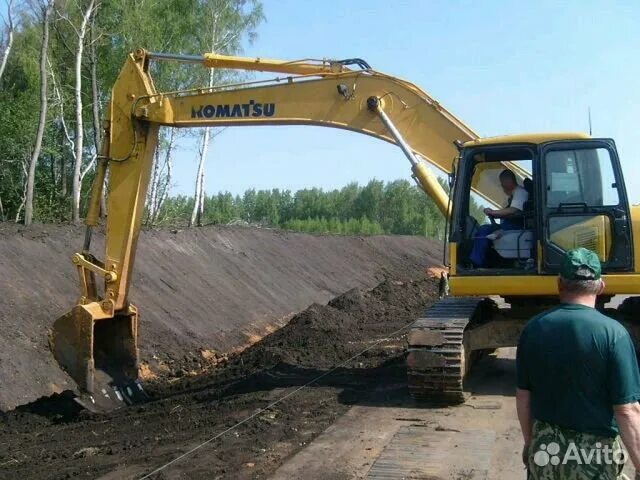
[518, 198]
[523, 406]
[503, 212]
[623, 383]
[628, 419]
[523, 395]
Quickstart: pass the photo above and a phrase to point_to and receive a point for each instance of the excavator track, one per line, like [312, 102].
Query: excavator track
[437, 362]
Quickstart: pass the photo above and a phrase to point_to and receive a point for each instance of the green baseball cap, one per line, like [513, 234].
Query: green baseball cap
[580, 259]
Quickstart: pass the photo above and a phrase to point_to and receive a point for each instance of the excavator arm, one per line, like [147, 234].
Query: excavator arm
[97, 341]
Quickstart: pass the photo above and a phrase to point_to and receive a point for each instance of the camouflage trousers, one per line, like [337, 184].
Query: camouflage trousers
[561, 454]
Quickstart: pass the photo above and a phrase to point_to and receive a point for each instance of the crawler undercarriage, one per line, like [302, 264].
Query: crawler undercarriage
[456, 332]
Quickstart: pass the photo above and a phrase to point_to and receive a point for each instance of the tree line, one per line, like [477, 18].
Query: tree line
[58, 61]
[397, 207]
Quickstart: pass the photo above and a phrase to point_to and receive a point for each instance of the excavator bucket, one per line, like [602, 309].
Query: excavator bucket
[101, 355]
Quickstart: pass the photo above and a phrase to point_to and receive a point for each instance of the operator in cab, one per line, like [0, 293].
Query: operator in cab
[578, 384]
[517, 197]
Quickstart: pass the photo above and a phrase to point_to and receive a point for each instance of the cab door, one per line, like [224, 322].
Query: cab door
[583, 203]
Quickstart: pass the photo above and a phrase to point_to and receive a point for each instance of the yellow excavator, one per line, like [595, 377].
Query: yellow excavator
[576, 190]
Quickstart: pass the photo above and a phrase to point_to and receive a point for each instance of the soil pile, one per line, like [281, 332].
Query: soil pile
[47, 441]
[201, 292]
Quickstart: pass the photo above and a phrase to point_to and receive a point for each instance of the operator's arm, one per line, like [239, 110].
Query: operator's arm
[624, 393]
[503, 212]
[516, 204]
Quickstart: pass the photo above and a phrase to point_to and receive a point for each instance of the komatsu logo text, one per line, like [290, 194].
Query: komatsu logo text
[235, 110]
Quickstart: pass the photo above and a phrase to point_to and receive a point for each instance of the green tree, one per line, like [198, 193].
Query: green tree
[368, 202]
[88, 42]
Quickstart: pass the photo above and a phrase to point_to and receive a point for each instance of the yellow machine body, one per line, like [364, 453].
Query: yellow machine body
[99, 335]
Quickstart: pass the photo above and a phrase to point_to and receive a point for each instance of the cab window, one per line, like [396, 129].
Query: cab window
[581, 176]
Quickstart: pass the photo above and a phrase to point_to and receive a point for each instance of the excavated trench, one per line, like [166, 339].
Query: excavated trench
[202, 293]
[205, 295]
[51, 439]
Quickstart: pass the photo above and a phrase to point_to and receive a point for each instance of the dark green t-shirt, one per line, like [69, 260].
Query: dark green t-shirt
[577, 363]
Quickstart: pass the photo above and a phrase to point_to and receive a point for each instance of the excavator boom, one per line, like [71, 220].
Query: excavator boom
[97, 341]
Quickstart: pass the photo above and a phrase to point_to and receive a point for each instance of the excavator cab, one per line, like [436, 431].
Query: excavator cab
[576, 198]
[510, 248]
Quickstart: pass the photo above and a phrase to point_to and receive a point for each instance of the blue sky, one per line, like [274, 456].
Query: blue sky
[501, 66]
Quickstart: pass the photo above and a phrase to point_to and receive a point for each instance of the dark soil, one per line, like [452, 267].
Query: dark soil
[201, 293]
[51, 439]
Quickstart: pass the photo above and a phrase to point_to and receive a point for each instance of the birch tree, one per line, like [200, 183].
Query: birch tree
[198, 207]
[95, 101]
[62, 123]
[44, 93]
[161, 176]
[228, 22]
[78, 173]
[9, 41]
[23, 164]
[42, 168]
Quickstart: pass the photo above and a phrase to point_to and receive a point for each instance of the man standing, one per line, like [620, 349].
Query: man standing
[578, 383]
[517, 197]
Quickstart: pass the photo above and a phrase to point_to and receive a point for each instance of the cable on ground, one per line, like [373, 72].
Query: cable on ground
[274, 403]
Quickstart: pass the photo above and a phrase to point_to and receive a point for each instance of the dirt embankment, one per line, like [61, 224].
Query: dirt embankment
[201, 292]
[41, 442]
